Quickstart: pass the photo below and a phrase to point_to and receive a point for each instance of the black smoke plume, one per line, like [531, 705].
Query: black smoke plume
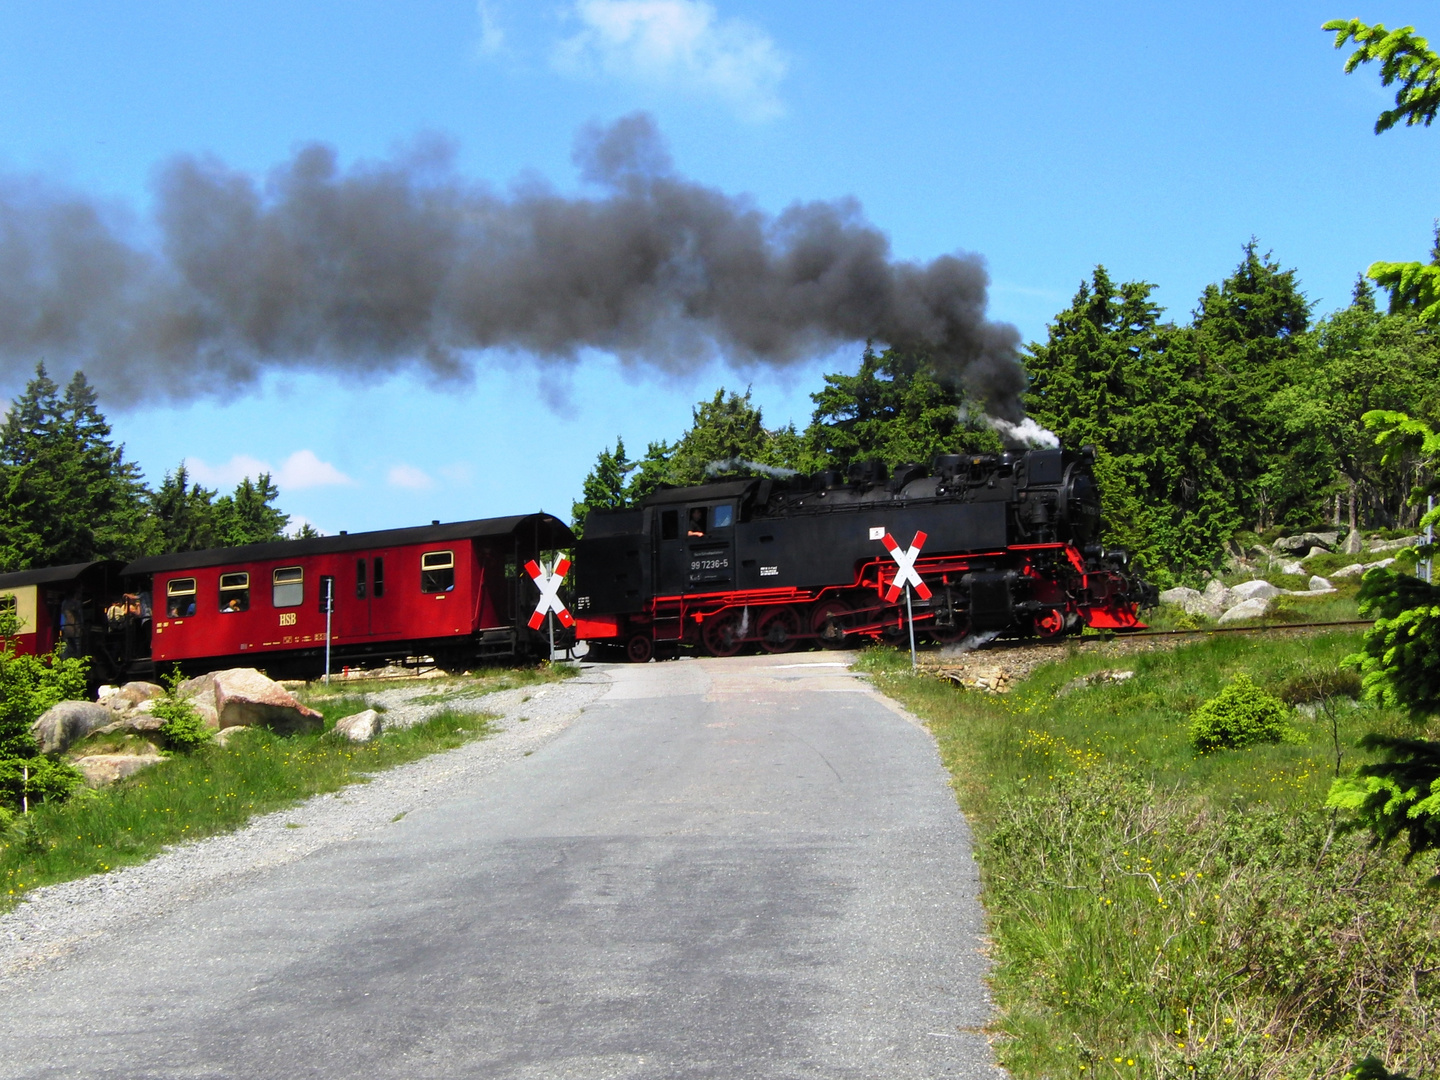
[403, 262]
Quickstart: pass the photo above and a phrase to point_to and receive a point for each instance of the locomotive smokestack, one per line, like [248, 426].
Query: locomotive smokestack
[404, 262]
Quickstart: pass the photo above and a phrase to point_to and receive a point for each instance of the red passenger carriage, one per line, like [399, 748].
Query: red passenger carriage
[447, 591]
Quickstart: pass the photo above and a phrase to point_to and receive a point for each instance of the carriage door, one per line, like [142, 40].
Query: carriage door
[710, 543]
[378, 591]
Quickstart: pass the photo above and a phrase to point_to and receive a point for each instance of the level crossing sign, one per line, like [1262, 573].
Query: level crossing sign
[549, 585]
[906, 574]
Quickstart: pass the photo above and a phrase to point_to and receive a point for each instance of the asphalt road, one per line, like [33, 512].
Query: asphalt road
[739, 868]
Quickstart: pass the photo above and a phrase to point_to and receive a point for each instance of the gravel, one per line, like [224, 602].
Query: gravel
[58, 921]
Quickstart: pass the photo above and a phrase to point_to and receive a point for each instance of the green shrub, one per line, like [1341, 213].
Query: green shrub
[28, 686]
[183, 728]
[1240, 715]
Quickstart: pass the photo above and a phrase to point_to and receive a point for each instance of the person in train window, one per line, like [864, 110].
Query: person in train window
[697, 522]
[231, 605]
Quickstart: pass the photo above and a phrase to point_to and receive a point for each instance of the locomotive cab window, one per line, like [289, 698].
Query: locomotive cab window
[180, 598]
[437, 571]
[724, 516]
[670, 525]
[234, 593]
[695, 523]
[287, 586]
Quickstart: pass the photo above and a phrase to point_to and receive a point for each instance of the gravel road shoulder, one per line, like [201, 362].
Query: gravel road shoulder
[59, 921]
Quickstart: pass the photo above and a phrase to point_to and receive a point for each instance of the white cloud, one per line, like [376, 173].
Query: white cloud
[681, 44]
[492, 34]
[301, 469]
[408, 476]
[458, 472]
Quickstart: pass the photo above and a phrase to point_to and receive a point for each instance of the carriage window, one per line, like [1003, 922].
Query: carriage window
[327, 594]
[234, 593]
[724, 515]
[360, 579]
[379, 578]
[437, 571]
[670, 525]
[287, 587]
[695, 523]
[8, 603]
[180, 598]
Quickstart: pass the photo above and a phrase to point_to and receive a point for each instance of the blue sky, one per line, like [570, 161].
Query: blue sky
[1155, 139]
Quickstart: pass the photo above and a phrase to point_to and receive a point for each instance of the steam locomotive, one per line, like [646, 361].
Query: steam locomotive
[1006, 543]
[1010, 545]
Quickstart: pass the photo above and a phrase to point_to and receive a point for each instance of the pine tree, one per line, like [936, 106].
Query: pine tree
[893, 409]
[1113, 375]
[182, 514]
[249, 516]
[604, 487]
[66, 492]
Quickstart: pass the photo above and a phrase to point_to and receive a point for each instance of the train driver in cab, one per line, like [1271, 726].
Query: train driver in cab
[697, 522]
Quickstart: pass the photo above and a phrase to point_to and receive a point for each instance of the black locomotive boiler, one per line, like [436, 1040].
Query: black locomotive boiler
[1012, 545]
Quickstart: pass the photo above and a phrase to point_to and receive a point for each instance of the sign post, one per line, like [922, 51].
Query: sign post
[548, 582]
[907, 578]
[328, 583]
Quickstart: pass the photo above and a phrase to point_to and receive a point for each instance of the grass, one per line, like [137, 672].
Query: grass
[1161, 913]
[445, 689]
[215, 790]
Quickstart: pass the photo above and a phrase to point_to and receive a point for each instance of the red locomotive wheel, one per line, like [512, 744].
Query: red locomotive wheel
[827, 623]
[947, 635]
[724, 634]
[639, 648]
[1049, 624]
[779, 629]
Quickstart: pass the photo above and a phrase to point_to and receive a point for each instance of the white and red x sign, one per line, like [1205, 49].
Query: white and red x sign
[906, 574]
[549, 586]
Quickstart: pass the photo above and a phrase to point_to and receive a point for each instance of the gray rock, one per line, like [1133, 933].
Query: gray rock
[102, 769]
[1353, 570]
[131, 695]
[1246, 609]
[1250, 590]
[361, 727]
[1354, 543]
[1392, 545]
[1259, 551]
[1179, 595]
[1313, 552]
[1292, 567]
[68, 722]
[244, 697]
[1319, 584]
[1217, 593]
[1192, 601]
[136, 723]
[200, 688]
[1294, 545]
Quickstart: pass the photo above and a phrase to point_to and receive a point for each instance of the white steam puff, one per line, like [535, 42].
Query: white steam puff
[400, 263]
[736, 464]
[1026, 433]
